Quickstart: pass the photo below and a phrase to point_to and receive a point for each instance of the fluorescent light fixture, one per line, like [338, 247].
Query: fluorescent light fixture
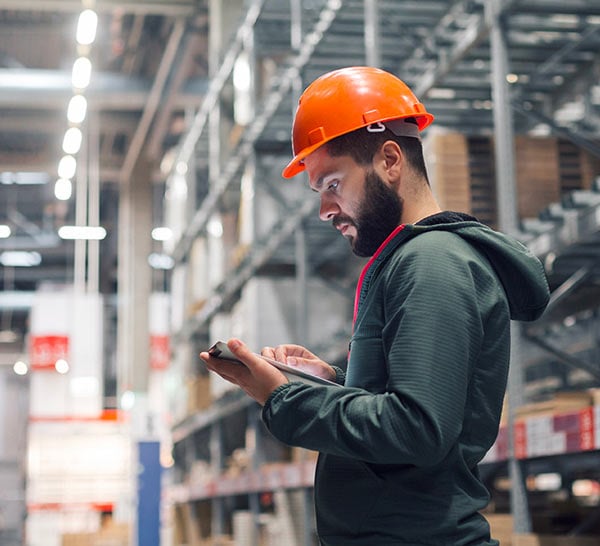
[215, 227]
[67, 167]
[162, 233]
[77, 109]
[127, 400]
[82, 233]
[18, 258]
[181, 168]
[72, 140]
[24, 178]
[242, 76]
[61, 366]
[86, 27]
[82, 73]
[441, 93]
[20, 368]
[160, 261]
[63, 189]
[4, 231]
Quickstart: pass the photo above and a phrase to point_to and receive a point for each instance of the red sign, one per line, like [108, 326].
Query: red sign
[160, 351]
[46, 350]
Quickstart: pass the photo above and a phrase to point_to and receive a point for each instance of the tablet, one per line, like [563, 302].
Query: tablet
[220, 350]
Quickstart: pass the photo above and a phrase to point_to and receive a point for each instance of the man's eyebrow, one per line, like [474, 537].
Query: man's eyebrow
[318, 184]
[321, 180]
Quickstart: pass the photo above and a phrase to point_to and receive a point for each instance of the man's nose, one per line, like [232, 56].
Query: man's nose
[329, 208]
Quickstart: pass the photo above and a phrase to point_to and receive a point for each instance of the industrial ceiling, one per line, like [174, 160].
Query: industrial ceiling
[152, 76]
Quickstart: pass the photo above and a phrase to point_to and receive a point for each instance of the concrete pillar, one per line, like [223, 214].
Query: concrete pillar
[134, 279]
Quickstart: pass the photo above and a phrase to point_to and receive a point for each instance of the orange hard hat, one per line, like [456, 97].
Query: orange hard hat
[347, 99]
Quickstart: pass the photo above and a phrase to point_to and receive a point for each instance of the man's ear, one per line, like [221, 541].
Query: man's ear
[391, 159]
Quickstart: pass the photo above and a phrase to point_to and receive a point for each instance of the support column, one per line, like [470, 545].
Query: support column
[508, 222]
[134, 278]
[372, 42]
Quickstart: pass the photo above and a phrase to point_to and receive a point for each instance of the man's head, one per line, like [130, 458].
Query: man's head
[348, 99]
[356, 133]
[362, 180]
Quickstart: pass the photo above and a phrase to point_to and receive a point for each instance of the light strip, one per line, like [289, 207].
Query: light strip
[17, 258]
[88, 233]
[86, 27]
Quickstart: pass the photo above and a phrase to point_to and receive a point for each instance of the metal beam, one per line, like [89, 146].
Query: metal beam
[40, 89]
[166, 65]
[566, 358]
[175, 8]
[270, 104]
[477, 31]
[565, 132]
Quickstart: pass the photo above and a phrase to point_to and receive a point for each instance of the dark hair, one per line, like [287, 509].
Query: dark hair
[361, 145]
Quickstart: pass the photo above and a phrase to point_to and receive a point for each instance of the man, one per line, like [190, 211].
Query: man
[400, 442]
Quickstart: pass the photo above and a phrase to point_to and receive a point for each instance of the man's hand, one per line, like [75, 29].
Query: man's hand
[256, 377]
[303, 359]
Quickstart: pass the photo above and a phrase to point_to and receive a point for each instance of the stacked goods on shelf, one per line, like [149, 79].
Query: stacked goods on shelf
[568, 423]
[483, 179]
[537, 174]
[462, 172]
[199, 395]
[111, 534]
[448, 164]
[501, 527]
[564, 424]
[531, 539]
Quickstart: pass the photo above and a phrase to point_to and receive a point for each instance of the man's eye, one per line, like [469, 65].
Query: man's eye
[333, 186]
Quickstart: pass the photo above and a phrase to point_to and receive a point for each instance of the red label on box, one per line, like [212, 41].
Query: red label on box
[520, 429]
[46, 350]
[586, 429]
[160, 352]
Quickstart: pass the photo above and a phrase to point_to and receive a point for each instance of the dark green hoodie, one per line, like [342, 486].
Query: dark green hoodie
[400, 443]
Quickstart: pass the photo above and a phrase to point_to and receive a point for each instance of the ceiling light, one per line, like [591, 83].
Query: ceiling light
[215, 227]
[4, 231]
[63, 189]
[441, 93]
[67, 167]
[162, 233]
[82, 73]
[72, 140]
[181, 167]
[127, 400]
[24, 178]
[160, 261]
[77, 109]
[512, 78]
[61, 366]
[86, 27]
[82, 233]
[242, 76]
[18, 258]
[20, 368]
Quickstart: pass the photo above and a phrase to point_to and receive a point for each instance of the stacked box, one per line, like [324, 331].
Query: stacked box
[501, 527]
[447, 160]
[537, 173]
[531, 539]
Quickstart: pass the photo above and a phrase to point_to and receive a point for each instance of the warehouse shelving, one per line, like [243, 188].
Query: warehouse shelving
[451, 70]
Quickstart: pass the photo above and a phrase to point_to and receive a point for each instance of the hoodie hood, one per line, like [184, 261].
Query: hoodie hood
[521, 273]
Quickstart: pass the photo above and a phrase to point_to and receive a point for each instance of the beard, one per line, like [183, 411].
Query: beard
[378, 215]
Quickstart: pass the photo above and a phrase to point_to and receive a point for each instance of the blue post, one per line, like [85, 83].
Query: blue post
[149, 478]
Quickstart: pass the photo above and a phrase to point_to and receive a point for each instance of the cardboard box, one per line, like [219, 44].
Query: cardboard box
[553, 540]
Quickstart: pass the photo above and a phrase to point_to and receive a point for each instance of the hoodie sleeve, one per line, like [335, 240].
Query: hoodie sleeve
[432, 336]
